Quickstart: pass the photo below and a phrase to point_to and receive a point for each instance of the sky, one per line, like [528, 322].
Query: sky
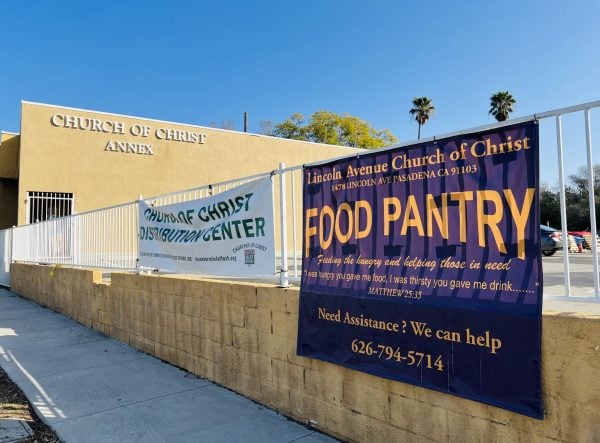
[207, 62]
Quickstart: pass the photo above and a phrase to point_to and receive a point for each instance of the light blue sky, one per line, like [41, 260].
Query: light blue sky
[200, 62]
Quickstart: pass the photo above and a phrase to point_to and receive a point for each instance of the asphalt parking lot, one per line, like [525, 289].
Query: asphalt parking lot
[581, 273]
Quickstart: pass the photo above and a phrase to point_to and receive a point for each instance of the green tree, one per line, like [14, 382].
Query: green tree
[577, 198]
[549, 207]
[292, 127]
[334, 129]
[326, 127]
[421, 111]
[579, 180]
[501, 105]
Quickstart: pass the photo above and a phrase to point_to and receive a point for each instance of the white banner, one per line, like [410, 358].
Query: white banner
[229, 234]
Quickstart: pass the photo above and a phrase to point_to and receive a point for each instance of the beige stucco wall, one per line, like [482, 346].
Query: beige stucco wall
[58, 159]
[9, 155]
[243, 336]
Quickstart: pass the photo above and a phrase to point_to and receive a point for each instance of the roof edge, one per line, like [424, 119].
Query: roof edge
[185, 124]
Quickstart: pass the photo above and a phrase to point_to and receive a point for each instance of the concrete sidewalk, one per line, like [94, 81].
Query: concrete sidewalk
[91, 388]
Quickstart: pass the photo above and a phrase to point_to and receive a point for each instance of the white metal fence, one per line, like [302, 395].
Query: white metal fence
[5, 256]
[107, 237]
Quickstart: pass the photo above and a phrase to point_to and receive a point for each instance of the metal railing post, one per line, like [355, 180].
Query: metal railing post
[12, 246]
[294, 220]
[11, 253]
[283, 274]
[74, 227]
[27, 209]
[137, 231]
[592, 200]
[563, 206]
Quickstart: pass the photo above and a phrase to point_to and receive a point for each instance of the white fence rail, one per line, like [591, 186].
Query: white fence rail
[107, 238]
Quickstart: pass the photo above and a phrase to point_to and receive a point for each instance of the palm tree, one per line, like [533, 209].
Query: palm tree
[421, 111]
[501, 105]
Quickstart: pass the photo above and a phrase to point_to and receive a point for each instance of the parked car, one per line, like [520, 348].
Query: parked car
[551, 240]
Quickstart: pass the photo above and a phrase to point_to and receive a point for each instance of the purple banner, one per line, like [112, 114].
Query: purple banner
[422, 264]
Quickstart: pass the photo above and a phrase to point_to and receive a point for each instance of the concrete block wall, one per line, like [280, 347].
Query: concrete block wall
[243, 336]
[75, 293]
